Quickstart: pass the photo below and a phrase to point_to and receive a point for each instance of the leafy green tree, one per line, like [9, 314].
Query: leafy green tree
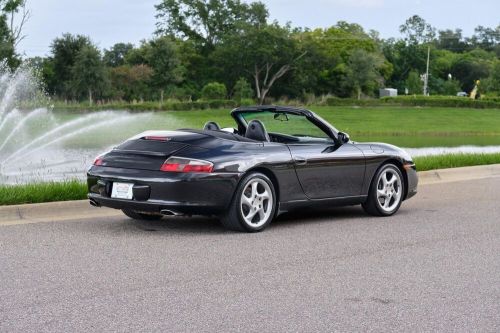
[265, 53]
[131, 82]
[451, 40]
[486, 38]
[470, 67]
[242, 90]
[64, 52]
[414, 83]
[7, 50]
[451, 87]
[323, 67]
[115, 56]
[88, 74]
[417, 30]
[363, 71]
[163, 57]
[214, 90]
[207, 21]
[492, 83]
[13, 16]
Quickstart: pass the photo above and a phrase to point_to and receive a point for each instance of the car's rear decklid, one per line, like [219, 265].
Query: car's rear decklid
[148, 150]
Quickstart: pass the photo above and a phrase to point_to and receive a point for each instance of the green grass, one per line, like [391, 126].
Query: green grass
[74, 190]
[455, 161]
[42, 192]
[410, 127]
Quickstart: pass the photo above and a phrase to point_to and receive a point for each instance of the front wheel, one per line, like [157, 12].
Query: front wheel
[253, 206]
[141, 216]
[386, 192]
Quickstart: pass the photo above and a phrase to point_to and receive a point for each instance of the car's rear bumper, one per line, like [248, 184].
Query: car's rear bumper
[154, 191]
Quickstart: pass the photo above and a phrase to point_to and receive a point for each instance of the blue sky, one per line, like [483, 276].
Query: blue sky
[110, 21]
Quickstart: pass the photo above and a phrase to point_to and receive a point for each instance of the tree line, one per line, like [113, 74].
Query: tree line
[218, 49]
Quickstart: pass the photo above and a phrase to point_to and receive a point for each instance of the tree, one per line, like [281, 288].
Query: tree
[265, 53]
[10, 32]
[328, 50]
[362, 73]
[88, 73]
[469, 68]
[131, 82]
[492, 84]
[417, 30]
[451, 87]
[214, 90]
[64, 53]
[451, 40]
[162, 56]
[115, 56]
[242, 90]
[414, 83]
[207, 21]
[486, 38]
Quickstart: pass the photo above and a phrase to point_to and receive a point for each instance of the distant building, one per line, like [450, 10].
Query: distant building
[388, 92]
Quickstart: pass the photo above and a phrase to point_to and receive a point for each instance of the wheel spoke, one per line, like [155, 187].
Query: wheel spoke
[251, 214]
[381, 193]
[246, 201]
[254, 189]
[387, 202]
[264, 195]
[385, 180]
[262, 214]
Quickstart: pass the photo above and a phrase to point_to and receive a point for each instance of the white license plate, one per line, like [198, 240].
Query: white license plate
[122, 191]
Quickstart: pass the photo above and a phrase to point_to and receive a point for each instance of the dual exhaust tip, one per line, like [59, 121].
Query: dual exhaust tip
[167, 212]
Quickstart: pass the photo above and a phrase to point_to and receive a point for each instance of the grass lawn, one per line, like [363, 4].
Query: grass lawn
[410, 127]
[425, 163]
[42, 192]
[366, 120]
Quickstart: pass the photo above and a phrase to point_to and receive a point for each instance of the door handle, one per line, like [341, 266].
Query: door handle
[300, 160]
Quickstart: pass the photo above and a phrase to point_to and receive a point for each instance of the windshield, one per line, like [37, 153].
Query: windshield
[290, 124]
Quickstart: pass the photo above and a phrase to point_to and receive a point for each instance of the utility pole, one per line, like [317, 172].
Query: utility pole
[426, 78]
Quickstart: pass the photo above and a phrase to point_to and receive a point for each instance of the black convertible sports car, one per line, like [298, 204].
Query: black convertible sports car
[276, 160]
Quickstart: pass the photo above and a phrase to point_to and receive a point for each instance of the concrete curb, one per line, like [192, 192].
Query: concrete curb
[52, 212]
[77, 210]
[458, 174]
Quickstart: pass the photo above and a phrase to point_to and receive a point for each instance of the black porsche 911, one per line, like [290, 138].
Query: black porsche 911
[276, 160]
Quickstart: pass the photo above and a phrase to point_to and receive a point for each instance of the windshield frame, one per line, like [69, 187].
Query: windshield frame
[316, 120]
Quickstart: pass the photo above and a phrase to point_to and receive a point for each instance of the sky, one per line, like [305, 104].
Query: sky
[107, 22]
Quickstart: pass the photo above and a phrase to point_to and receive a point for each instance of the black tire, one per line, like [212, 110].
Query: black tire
[142, 216]
[373, 205]
[234, 218]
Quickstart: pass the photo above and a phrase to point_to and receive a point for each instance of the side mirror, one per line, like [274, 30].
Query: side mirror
[343, 137]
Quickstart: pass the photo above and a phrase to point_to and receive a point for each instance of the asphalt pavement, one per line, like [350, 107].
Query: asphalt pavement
[435, 266]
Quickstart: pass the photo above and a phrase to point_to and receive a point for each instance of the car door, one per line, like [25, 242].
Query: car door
[326, 170]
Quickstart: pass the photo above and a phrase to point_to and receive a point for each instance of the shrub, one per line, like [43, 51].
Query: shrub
[214, 90]
[431, 101]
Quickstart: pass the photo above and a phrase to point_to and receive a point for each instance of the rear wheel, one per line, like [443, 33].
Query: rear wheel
[386, 192]
[253, 206]
[141, 216]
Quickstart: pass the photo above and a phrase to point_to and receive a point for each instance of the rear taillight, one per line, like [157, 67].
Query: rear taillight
[98, 160]
[178, 164]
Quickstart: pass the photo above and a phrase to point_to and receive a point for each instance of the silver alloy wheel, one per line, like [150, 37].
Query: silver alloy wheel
[256, 203]
[389, 190]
